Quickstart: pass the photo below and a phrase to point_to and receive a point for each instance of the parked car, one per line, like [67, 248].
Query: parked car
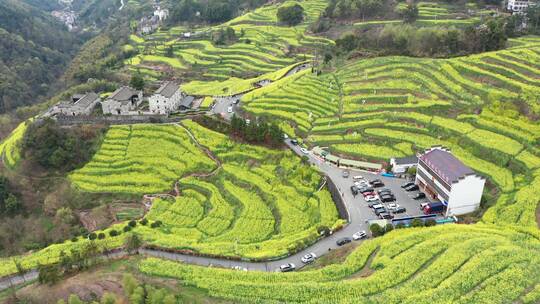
[399, 210]
[407, 184]
[366, 189]
[358, 178]
[384, 190]
[387, 198]
[343, 241]
[377, 184]
[419, 195]
[287, 267]
[308, 258]
[423, 205]
[380, 210]
[371, 204]
[378, 206]
[412, 188]
[361, 184]
[371, 198]
[392, 206]
[385, 216]
[304, 150]
[239, 268]
[434, 208]
[345, 174]
[359, 235]
[368, 194]
[230, 109]
[294, 142]
[386, 193]
[285, 136]
[236, 101]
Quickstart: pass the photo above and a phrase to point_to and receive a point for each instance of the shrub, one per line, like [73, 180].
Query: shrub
[400, 226]
[127, 228]
[290, 14]
[430, 222]
[132, 223]
[113, 233]
[417, 223]
[74, 239]
[143, 222]
[101, 235]
[388, 228]
[92, 236]
[376, 230]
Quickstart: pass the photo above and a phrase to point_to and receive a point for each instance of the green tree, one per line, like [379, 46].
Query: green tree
[132, 242]
[13, 204]
[137, 81]
[417, 223]
[74, 299]
[129, 283]
[410, 13]
[376, 230]
[108, 298]
[290, 14]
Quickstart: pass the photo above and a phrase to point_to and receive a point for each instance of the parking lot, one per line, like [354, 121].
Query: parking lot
[403, 198]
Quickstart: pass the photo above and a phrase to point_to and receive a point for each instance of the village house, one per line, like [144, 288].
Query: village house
[400, 165]
[518, 6]
[123, 101]
[80, 104]
[166, 99]
[161, 13]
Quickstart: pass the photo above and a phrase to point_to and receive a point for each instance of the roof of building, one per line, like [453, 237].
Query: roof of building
[86, 100]
[187, 101]
[446, 165]
[123, 94]
[168, 89]
[332, 158]
[406, 160]
[359, 164]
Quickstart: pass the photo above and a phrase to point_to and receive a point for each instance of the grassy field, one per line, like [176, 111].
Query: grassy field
[262, 46]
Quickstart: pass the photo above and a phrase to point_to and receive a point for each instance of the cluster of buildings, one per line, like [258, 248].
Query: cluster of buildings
[443, 177]
[519, 6]
[149, 24]
[126, 101]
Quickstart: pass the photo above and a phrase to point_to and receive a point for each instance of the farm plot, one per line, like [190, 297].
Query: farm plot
[141, 159]
[443, 264]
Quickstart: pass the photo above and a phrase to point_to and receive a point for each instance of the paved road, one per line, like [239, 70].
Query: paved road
[222, 105]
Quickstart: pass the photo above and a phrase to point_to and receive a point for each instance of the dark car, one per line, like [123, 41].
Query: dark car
[407, 184]
[371, 204]
[294, 142]
[380, 210]
[412, 188]
[387, 198]
[385, 216]
[366, 189]
[354, 190]
[399, 210]
[343, 241]
[377, 184]
[384, 190]
[419, 195]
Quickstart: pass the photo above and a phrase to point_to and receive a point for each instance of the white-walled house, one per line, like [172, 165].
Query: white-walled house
[444, 177]
[166, 99]
[400, 165]
[123, 101]
[518, 6]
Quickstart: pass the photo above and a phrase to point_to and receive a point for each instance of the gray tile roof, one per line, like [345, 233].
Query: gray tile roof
[123, 94]
[168, 89]
[187, 101]
[406, 160]
[446, 165]
[86, 100]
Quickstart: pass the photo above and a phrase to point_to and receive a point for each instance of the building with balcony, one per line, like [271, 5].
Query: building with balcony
[444, 177]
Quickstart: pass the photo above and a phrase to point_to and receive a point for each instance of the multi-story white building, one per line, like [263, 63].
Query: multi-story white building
[444, 177]
[123, 101]
[166, 99]
[518, 6]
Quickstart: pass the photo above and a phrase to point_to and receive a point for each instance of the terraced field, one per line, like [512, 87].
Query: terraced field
[141, 159]
[262, 45]
[444, 264]
[10, 147]
[260, 204]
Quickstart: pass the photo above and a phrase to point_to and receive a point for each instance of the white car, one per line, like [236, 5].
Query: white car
[370, 198]
[308, 258]
[230, 109]
[239, 268]
[378, 206]
[358, 177]
[359, 235]
[304, 150]
[287, 267]
[393, 206]
[361, 184]
[285, 136]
